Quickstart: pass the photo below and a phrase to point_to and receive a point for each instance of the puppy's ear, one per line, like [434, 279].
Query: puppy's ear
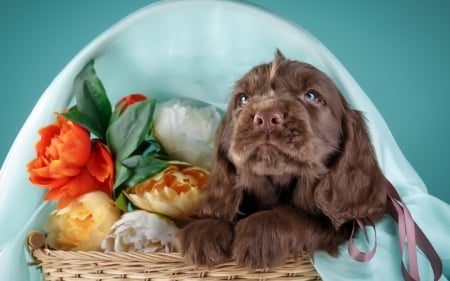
[221, 200]
[355, 186]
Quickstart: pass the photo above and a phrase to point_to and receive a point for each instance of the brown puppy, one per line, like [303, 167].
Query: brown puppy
[293, 167]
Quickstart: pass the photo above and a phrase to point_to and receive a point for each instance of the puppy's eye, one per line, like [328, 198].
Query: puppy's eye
[242, 100]
[311, 96]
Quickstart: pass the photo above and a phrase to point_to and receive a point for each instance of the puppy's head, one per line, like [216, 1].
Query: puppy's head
[287, 121]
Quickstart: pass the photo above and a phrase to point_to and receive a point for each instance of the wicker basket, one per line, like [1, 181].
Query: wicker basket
[92, 265]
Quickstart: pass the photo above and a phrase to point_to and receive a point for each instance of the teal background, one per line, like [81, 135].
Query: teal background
[398, 51]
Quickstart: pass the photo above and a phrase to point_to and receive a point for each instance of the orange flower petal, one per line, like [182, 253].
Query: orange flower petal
[40, 175]
[100, 165]
[48, 183]
[47, 134]
[59, 168]
[200, 175]
[129, 100]
[181, 187]
[83, 183]
[73, 144]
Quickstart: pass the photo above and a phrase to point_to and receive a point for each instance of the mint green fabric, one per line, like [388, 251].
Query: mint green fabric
[198, 49]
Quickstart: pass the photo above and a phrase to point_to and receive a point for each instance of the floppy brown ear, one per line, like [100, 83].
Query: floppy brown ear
[355, 186]
[221, 200]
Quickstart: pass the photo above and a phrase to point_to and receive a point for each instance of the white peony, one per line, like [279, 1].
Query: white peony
[140, 231]
[187, 132]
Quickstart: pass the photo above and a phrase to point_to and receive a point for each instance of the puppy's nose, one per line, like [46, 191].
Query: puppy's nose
[268, 119]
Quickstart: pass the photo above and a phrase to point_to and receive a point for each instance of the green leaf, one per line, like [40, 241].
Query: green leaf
[122, 202]
[142, 167]
[122, 174]
[116, 113]
[92, 102]
[126, 133]
[154, 147]
[74, 115]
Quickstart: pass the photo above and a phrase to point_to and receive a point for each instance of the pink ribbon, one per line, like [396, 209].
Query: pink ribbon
[353, 250]
[410, 236]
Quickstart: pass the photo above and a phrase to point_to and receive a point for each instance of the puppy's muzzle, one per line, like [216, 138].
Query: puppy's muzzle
[268, 120]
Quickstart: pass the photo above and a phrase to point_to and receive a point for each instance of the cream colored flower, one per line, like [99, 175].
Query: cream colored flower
[174, 192]
[140, 231]
[187, 132]
[83, 224]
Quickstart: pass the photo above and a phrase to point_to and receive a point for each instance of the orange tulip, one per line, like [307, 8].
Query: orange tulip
[69, 164]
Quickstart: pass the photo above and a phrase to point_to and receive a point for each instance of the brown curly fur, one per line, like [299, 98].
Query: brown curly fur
[293, 167]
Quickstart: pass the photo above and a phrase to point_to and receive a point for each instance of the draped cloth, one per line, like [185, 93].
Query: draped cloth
[198, 49]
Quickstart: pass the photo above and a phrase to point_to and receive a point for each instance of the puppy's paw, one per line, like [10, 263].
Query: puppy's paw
[205, 242]
[261, 241]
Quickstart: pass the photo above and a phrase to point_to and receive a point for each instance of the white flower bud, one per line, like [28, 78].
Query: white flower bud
[140, 231]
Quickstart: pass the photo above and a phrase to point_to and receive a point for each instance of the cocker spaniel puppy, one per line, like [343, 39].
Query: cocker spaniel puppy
[293, 168]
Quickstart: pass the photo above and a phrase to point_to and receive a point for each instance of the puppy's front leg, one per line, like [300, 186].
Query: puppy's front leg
[266, 239]
[206, 241]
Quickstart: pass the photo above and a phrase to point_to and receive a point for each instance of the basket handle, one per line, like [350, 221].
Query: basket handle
[36, 240]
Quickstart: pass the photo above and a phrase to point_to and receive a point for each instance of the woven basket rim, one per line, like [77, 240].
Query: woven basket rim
[96, 265]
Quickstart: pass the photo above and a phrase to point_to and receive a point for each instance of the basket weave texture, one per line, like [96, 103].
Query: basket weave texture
[94, 265]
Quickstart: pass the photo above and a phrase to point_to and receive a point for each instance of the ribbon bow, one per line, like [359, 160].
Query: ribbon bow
[410, 237]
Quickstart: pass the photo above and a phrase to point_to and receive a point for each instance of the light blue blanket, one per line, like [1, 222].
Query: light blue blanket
[198, 49]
